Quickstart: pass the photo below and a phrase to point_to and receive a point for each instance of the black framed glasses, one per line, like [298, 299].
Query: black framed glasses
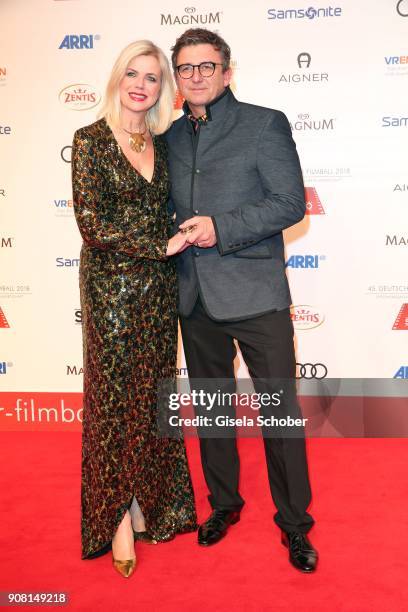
[206, 69]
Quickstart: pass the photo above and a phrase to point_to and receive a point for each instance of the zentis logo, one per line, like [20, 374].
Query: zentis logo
[3, 321]
[314, 205]
[79, 96]
[79, 41]
[401, 322]
[305, 316]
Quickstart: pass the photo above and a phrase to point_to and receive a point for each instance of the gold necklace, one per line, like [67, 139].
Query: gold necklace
[136, 140]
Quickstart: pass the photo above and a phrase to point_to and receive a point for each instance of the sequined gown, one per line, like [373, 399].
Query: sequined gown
[128, 301]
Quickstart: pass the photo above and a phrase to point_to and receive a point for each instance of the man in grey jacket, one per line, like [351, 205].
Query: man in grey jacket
[236, 184]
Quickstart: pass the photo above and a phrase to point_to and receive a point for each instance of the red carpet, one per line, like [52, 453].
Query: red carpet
[360, 491]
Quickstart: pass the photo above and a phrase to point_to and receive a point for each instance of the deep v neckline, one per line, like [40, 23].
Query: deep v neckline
[127, 160]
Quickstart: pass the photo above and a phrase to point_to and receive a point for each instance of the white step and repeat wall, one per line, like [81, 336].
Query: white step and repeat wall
[339, 72]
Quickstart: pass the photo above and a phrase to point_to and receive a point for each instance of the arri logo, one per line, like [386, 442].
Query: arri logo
[79, 41]
[401, 373]
[3, 321]
[4, 365]
[191, 17]
[304, 261]
[79, 96]
[304, 60]
[402, 8]
[306, 317]
[309, 13]
[313, 203]
[401, 322]
[394, 122]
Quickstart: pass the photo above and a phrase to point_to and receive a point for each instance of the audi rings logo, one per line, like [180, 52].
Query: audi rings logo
[402, 8]
[66, 153]
[190, 9]
[310, 371]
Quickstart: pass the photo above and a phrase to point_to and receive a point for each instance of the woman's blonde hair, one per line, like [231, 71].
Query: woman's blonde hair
[159, 117]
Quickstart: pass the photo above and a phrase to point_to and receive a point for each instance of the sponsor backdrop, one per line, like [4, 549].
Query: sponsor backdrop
[340, 73]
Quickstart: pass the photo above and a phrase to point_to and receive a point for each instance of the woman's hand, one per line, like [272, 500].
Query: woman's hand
[177, 244]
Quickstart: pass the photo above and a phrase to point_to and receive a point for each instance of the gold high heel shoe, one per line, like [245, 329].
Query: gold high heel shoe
[125, 568]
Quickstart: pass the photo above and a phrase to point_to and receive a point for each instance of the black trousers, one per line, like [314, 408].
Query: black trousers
[266, 344]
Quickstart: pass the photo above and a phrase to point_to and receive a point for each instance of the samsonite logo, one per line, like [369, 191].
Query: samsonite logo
[305, 261]
[79, 41]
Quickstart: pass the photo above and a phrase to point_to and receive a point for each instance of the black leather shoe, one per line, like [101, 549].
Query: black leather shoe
[215, 527]
[302, 555]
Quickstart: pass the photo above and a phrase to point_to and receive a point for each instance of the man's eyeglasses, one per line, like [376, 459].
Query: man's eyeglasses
[206, 69]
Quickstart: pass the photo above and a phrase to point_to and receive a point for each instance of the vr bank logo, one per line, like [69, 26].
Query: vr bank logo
[305, 261]
[309, 13]
[79, 41]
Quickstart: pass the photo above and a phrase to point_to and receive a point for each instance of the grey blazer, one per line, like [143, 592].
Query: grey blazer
[242, 169]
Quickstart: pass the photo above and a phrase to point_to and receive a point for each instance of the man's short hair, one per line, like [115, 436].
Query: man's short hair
[201, 36]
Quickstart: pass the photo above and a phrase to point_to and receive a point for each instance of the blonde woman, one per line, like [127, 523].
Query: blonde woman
[135, 484]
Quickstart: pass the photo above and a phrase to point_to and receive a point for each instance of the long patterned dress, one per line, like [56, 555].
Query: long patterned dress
[128, 299]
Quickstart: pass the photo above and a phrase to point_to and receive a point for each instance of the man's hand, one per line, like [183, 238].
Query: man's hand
[177, 244]
[202, 233]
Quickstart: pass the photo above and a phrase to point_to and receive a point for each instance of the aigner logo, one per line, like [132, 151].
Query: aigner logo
[303, 61]
[308, 371]
[79, 97]
[190, 17]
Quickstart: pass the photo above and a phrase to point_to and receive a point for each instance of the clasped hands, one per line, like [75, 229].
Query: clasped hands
[197, 231]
